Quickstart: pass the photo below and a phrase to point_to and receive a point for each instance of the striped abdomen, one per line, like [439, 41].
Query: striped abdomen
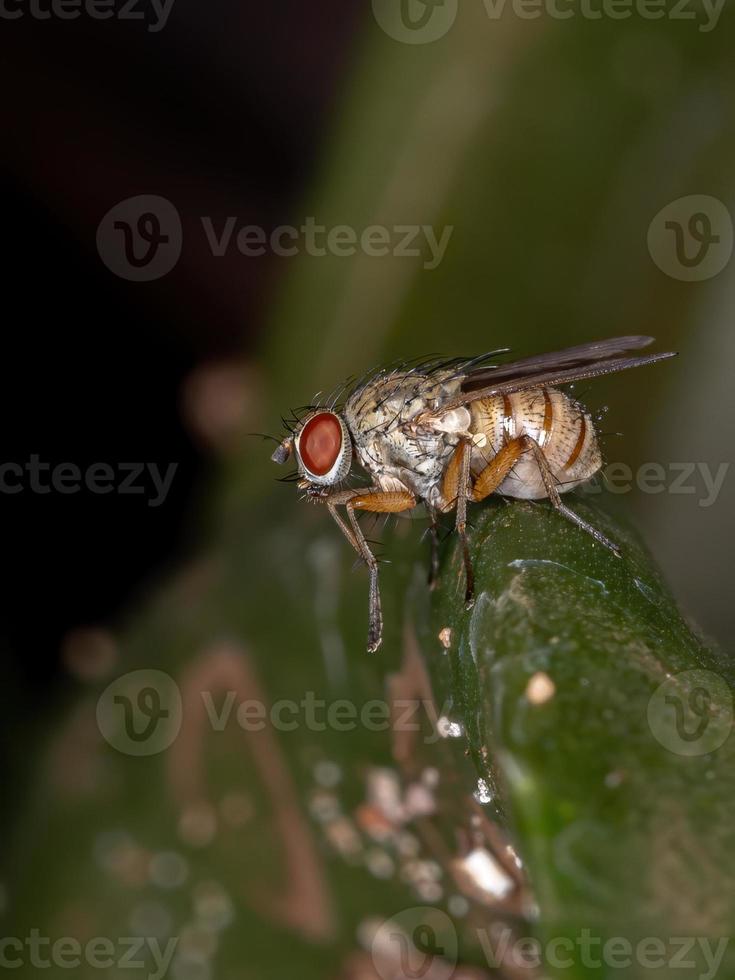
[561, 427]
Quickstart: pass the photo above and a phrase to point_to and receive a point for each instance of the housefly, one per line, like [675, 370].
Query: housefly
[446, 433]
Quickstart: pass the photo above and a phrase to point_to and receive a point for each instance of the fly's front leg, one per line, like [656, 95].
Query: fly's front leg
[380, 502]
[342, 526]
[555, 497]
[377, 502]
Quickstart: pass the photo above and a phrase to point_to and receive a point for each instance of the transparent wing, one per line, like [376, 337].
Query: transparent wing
[580, 356]
[560, 367]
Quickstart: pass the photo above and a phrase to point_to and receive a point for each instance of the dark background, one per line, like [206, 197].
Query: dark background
[94, 365]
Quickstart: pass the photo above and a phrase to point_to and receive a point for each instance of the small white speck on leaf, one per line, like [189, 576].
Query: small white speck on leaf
[448, 729]
[540, 688]
[483, 794]
[481, 876]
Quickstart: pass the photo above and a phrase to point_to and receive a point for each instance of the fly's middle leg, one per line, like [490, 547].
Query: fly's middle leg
[555, 497]
[458, 488]
[455, 491]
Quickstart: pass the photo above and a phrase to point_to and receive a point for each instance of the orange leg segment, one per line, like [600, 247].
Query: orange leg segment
[383, 501]
[452, 478]
[455, 491]
[497, 469]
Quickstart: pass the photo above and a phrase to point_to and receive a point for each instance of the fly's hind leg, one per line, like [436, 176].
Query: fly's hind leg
[380, 502]
[555, 497]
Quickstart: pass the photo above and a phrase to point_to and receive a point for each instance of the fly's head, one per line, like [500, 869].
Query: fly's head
[322, 447]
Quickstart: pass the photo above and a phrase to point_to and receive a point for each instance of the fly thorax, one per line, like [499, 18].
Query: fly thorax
[385, 418]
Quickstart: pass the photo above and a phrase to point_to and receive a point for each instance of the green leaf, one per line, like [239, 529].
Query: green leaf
[604, 726]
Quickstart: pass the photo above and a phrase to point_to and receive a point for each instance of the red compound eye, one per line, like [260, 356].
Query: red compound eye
[321, 443]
